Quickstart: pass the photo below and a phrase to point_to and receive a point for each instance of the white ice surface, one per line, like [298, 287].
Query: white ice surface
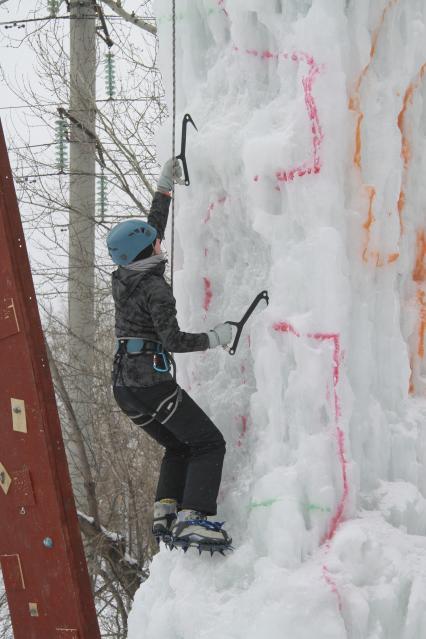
[323, 406]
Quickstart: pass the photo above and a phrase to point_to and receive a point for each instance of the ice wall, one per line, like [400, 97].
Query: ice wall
[307, 179]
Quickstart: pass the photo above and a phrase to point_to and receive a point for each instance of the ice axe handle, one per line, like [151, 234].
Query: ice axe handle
[240, 325]
[186, 119]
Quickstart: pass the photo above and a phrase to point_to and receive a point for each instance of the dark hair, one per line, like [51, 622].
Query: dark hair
[147, 252]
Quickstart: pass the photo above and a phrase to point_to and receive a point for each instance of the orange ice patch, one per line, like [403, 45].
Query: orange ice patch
[355, 105]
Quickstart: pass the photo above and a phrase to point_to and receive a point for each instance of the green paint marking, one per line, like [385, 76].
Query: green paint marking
[269, 502]
[181, 15]
[323, 509]
[264, 504]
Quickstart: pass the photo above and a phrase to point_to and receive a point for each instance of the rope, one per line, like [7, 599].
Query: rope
[172, 253]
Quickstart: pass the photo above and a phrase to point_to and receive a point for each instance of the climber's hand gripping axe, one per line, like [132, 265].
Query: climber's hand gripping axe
[240, 325]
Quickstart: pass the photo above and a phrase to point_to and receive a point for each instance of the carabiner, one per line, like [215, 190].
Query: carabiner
[157, 366]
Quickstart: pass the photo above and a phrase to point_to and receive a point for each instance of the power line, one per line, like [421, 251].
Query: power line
[30, 146]
[16, 23]
[24, 178]
[35, 146]
[55, 269]
[55, 104]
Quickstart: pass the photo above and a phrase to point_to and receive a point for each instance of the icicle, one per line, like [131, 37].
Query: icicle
[110, 74]
[62, 148]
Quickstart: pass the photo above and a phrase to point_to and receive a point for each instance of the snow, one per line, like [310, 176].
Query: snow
[306, 180]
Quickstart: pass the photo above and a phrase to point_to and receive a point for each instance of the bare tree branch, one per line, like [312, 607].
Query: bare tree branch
[77, 437]
[113, 549]
[130, 17]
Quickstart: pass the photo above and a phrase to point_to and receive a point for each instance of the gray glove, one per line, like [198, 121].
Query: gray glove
[220, 335]
[172, 171]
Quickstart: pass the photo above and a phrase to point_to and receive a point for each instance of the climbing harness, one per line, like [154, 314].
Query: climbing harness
[240, 325]
[182, 157]
[164, 411]
[161, 359]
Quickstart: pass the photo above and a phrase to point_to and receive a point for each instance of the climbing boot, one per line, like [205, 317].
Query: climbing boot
[192, 529]
[165, 512]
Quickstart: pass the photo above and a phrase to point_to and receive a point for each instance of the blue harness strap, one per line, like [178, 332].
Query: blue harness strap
[137, 345]
[133, 345]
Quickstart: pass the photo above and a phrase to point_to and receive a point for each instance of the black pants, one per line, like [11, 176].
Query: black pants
[191, 469]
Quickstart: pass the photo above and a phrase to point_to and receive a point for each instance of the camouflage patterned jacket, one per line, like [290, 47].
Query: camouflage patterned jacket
[145, 307]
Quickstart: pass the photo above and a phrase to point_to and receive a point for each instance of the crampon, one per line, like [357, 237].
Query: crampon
[165, 537]
[198, 532]
[202, 546]
[164, 518]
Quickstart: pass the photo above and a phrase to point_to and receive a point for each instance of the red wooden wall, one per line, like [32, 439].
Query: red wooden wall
[41, 552]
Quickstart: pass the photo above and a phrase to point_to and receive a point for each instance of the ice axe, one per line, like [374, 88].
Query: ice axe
[240, 325]
[186, 119]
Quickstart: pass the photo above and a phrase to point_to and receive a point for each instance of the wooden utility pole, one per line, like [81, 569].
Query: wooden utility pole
[82, 225]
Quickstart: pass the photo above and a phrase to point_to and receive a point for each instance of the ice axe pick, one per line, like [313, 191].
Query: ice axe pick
[186, 119]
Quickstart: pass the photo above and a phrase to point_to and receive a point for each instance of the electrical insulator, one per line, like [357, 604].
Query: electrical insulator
[61, 145]
[53, 7]
[102, 194]
[110, 75]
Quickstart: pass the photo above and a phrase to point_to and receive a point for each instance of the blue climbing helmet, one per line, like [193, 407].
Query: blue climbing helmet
[127, 239]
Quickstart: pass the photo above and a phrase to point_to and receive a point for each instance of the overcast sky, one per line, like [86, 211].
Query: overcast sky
[15, 59]
[19, 67]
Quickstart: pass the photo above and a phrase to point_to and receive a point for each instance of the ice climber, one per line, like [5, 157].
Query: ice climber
[147, 332]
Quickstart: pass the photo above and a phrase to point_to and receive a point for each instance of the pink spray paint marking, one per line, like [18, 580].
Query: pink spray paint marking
[243, 425]
[208, 293]
[221, 3]
[284, 327]
[243, 420]
[340, 437]
[209, 213]
[333, 586]
[212, 206]
[313, 165]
